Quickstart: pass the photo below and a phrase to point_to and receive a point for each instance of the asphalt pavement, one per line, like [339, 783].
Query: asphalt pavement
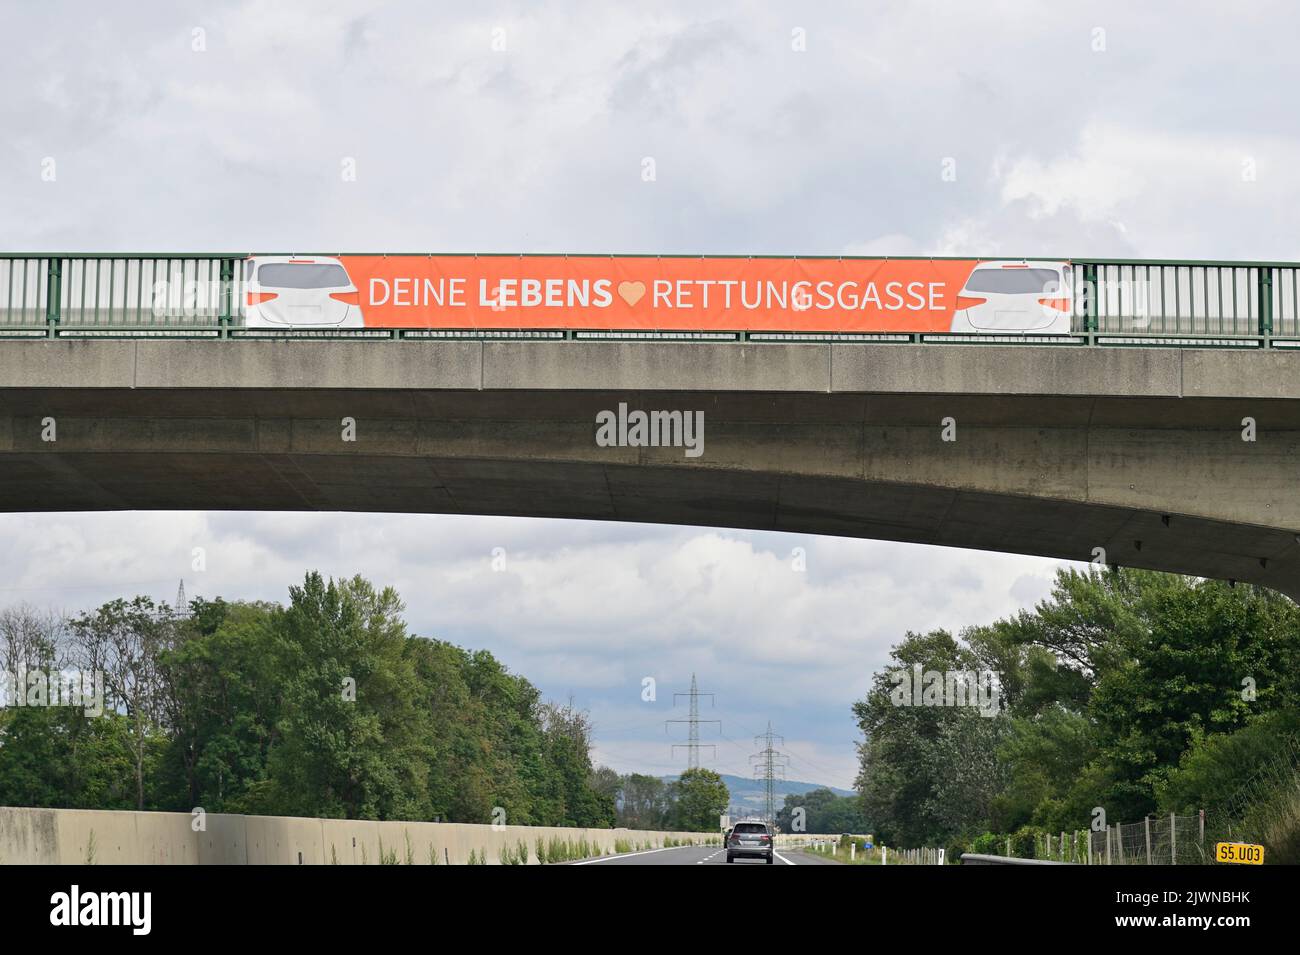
[702, 855]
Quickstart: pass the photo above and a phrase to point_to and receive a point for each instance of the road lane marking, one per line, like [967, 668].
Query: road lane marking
[628, 855]
[783, 858]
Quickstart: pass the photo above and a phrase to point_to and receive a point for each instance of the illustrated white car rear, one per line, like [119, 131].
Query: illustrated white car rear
[1013, 297]
[282, 291]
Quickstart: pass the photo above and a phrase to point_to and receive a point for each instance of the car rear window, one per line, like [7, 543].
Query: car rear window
[750, 827]
[1014, 281]
[305, 275]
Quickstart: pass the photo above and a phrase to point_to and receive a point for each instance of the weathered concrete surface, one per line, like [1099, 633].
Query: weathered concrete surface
[1059, 450]
[105, 837]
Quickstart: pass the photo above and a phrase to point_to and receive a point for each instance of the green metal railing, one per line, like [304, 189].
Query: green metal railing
[1116, 302]
[71, 295]
[1209, 299]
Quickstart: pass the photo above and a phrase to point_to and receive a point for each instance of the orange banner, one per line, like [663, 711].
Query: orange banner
[646, 292]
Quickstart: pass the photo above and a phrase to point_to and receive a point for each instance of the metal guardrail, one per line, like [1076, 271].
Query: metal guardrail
[1192, 304]
[971, 858]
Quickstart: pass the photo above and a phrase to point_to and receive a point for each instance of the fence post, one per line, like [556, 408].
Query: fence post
[1265, 304]
[53, 292]
[1202, 835]
[1173, 841]
[1108, 855]
[1090, 312]
[1146, 821]
[227, 295]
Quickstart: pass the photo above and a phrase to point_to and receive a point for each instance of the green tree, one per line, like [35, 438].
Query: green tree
[223, 705]
[901, 773]
[1121, 690]
[347, 748]
[701, 797]
[325, 707]
[125, 641]
[1184, 676]
[645, 802]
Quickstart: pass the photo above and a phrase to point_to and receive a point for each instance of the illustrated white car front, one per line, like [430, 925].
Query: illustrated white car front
[282, 291]
[1012, 297]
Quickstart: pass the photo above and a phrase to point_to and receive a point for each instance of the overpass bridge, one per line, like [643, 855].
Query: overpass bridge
[1058, 450]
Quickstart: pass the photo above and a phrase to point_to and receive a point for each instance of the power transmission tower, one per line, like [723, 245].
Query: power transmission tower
[693, 721]
[182, 608]
[769, 765]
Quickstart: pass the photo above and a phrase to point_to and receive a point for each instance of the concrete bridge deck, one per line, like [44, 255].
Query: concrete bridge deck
[1058, 450]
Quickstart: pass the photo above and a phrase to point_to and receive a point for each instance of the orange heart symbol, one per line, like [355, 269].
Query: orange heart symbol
[631, 292]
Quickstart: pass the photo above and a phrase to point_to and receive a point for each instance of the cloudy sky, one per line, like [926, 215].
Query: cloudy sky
[1074, 130]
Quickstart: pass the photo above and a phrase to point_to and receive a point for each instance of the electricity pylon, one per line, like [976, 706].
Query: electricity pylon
[769, 765]
[693, 721]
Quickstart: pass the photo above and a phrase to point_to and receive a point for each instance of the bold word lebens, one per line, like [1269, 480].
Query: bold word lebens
[726, 294]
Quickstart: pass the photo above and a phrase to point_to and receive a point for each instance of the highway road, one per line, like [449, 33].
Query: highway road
[701, 855]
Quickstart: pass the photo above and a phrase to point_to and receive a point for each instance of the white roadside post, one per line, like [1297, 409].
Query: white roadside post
[853, 851]
[884, 855]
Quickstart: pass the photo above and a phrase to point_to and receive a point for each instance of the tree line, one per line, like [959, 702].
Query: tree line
[325, 706]
[1125, 692]
[824, 811]
[694, 802]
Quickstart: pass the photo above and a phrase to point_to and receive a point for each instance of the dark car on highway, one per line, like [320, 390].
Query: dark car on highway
[750, 839]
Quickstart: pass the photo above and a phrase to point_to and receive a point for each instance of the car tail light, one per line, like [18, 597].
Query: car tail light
[969, 301]
[257, 298]
[351, 298]
[1060, 304]
[765, 838]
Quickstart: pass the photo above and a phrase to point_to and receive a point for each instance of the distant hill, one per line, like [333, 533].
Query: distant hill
[747, 794]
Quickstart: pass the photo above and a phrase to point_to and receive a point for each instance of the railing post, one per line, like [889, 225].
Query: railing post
[53, 292]
[1266, 305]
[1090, 301]
[227, 295]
